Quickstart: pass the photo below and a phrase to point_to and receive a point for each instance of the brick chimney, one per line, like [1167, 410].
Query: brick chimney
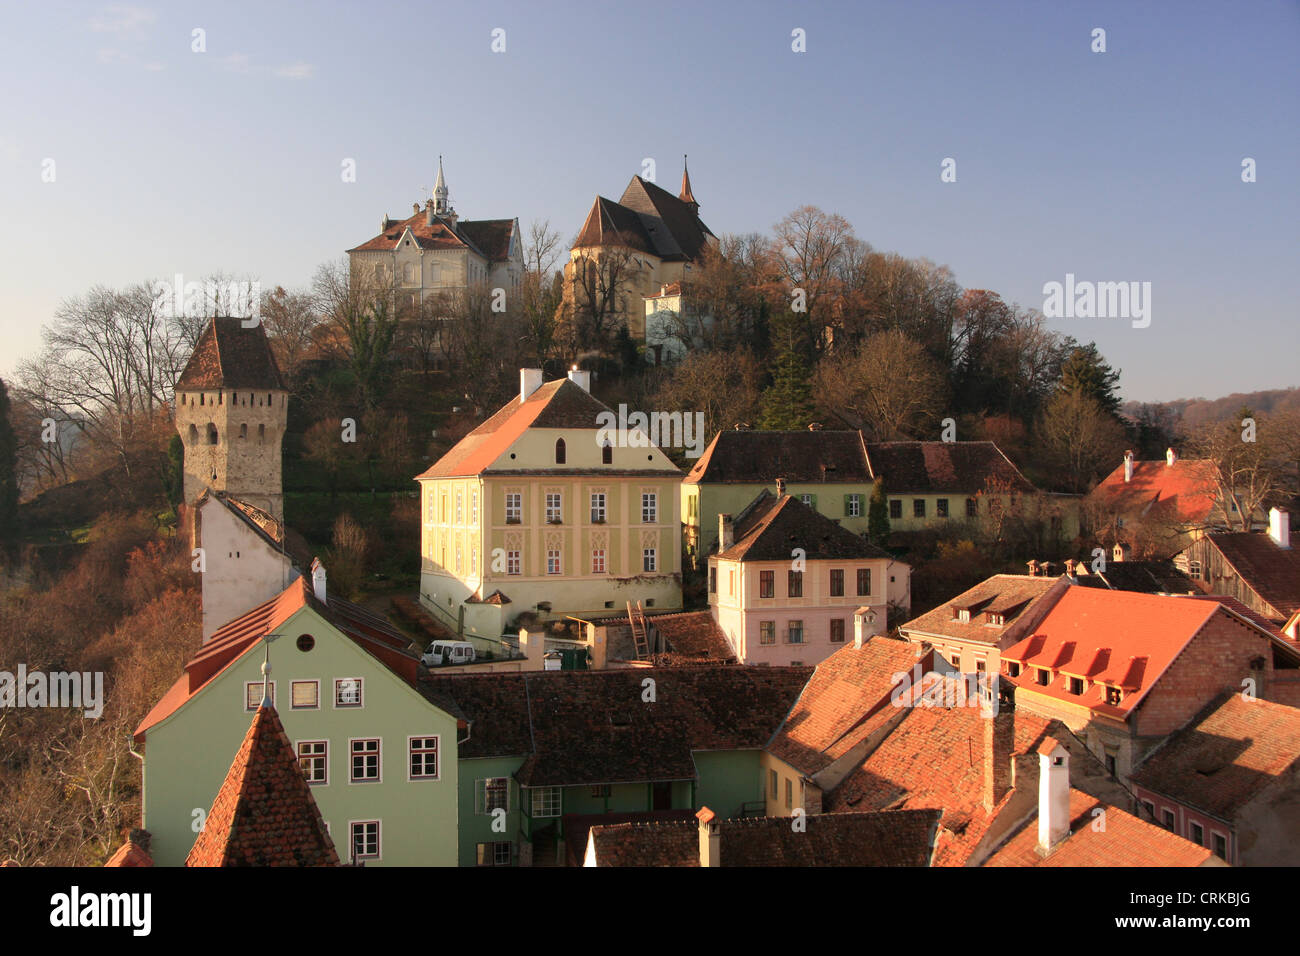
[726, 533]
[1279, 527]
[999, 741]
[710, 838]
[1053, 794]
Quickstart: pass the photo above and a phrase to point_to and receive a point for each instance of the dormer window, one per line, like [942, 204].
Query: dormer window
[561, 454]
[1013, 668]
[1113, 696]
[1044, 676]
[963, 615]
[1076, 685]
[997, 620]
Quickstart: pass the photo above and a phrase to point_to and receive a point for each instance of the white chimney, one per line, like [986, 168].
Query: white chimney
[580, 378]
[726, 533]
[530, 380]
[780, 487]
[318, 579]
[1279, 527]
[710, 838]
[428, 213]
[1053, 794]
[1170, 457]
[864, 626]
[1128, 467]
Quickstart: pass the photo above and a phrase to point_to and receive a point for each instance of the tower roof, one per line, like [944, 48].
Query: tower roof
[264, 813]
[686, 195]
[228, 355]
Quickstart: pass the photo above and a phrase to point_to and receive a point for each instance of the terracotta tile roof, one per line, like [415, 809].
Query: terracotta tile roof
[770, 528]
[264, 813]
[1270, 571]
[263, 523]
[236, 638]
[1015, 596]
[1124, 841]
[1227, 756]
[1185, 491]
[1112, 638]
[846, 689]
[748, 457]
[490, 238]
[230, 356]
[692, 637]
[133, 852]
[577, 827]
[611, 224]
[934, 467]
[889, 838]
[580, 728]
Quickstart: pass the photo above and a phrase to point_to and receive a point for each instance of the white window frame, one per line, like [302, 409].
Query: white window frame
[649, 507]
[437, 756]
[598, 514]
[323, 756]
[293, 688]
[514, 564]
[250, 706]
[855, 506]
[514, 509]
[598, 561]
[481, 807]
[338, 681]
[352, 840]
[552, 796]
[554, 507]
[649, 560]
[554, 561]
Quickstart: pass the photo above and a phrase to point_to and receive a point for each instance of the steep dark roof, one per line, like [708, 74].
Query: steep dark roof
[230, 356]
[264, 813]
[1270, 571]
[1148, 577]
[609, 224]
[771, 528]
[886, 838]
[747, 457]
[934, 467]
[579, 728]
[490, 238]
[646, 218]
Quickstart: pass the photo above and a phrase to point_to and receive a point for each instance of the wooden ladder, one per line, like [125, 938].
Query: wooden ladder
[640, 638]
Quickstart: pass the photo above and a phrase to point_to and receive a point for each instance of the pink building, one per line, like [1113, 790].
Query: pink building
[787, 582]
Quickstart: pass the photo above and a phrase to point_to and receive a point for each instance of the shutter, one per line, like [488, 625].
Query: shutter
[848, 500]
[814, 502]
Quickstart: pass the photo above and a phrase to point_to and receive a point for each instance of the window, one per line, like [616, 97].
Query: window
[253, 695]
[941, 508]
[305, 693]
[243, 431]
[597, 507]
[807, 500]
[1076, 685]
[347, 692]
[212, 434]
[473, 507]
[1110, 763]
[1220, 846]
[648, 559]
[713, 580]
[1150, 809]
[1198, 834]
[424, 758]
[598, 561]
[443, 507]
[864, 582]
[607, 454]
[767, 632]
[1044, 677]
[1194, 568]
[794, 632]
[514, 507]
[1013, 668]
[649, 507]
[512, 562]
[852, 506]
[494, 854]
[560, 453]
[365, 760]
[771, 777]
[460, 508]
[918, 507]
[553, 507]
[895, 508]
[789, 793]
[600, 791]
[837, 582]
[970, 508]
[837, 630]
[546, 802]
[1169, 820]
[1114, 695]
[766, 584]
[365, 840]
[492, 793]
[794, 583]
[552, 561]
[313, 760]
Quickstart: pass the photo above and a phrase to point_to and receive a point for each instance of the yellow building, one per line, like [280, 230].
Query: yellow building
[538, 510]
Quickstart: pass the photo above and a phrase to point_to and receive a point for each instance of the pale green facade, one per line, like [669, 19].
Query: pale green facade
[188, 754]
[702, 502]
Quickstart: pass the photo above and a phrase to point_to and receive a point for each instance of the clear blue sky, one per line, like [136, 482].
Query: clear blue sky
[1116, 166]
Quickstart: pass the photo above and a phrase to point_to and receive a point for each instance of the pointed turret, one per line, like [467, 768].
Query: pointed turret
[440, 207]
[686, 195]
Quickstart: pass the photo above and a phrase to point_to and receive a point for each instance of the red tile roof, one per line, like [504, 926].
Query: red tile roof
[262, 523]
[490, 238]
[935, 467]
[770, 528]
[1227, 756]
[230, 356]
[1184, 491]
[1270, 571]
[134, 852]
[1017, 597]
[1125, 840]
[693, 637]
[264, 813]
[761, 457]
[845, 690]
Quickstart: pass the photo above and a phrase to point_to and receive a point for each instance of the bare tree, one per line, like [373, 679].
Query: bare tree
[889, 387]
[1251, 464]
[290, 319]
[808, 254]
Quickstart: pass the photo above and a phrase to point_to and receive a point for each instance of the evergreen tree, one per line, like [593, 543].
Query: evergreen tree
[788, 402]
[8, 475]
[878, 514]
[1086, 371]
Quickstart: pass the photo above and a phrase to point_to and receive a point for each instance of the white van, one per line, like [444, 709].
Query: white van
[448, 652]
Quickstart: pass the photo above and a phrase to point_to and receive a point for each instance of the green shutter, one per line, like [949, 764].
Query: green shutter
[814, 502]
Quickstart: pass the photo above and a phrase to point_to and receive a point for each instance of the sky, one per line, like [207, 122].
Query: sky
[1115, 166]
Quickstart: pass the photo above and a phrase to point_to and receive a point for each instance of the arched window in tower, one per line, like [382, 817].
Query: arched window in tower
[194, 435]
[201, 398]
[607, 453]
[212, 434]
[560, 456]
[261, 433]
[243, 431]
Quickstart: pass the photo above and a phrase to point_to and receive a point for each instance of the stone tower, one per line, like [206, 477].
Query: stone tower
[231, 410]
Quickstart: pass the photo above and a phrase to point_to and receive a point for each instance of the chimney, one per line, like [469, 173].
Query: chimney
[1170, 457]
[864, 626]
[533, 645]
[726, 533]
[780, 487]
[1120, 552]
[318, 579]
[580, 378]
[1128, 467]
[428, 213]
[999, 741]
[530, 380]
[1279, 527]
[385, 223]
[1053, 794]
[1033, 567]
[710, 838]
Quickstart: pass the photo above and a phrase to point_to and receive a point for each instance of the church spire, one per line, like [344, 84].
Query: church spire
[440, 192]
[686, 195]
